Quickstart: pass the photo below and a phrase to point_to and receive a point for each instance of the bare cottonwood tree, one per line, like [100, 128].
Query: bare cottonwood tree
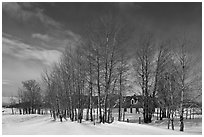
[104, 36]
[31, 96]
[183, 69]
[143, 66]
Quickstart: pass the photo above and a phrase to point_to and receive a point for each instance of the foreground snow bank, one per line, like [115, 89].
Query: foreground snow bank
[38, 124]
[192, 126]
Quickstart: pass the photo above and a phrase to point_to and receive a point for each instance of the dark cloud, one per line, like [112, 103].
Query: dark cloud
[32, 32]
[18, 11]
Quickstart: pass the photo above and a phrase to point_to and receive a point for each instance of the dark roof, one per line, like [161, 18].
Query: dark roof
[137, 103]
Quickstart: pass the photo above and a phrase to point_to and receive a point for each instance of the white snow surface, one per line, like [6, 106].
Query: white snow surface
[44, 125]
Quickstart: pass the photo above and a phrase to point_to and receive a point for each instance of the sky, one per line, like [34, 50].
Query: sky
[34, 35]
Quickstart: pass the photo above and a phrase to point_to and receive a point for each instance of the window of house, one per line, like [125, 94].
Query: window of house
[132, 101]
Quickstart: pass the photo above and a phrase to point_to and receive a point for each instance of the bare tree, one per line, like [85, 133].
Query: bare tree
[31, 96]
[12, 103]
[123, 68]
[183, 69]
[143, 66]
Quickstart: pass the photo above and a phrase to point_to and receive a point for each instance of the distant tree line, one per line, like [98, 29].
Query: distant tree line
[29, 98]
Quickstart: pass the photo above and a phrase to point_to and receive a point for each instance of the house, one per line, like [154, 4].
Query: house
[133, 102]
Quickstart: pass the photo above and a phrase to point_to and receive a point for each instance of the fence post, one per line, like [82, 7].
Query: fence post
[186, 113]
[139, 120]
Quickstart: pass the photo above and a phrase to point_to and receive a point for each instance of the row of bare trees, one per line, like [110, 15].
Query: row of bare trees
[95, 68]
[94, 75]
[164, 75]
[30, 98]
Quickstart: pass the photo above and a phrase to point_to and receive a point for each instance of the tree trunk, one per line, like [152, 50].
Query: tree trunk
[172, 120]
[38, 110]
[181, 122]
[181, 113]
[12, 111]
[157, 114]
[120, 99]
[91, 104]
[160, 114]
[168, 115]
[186, 113]
[100, 112]
[76, 115]
[91, 114]
[72, 114]
[20, 111]
[29, 110]
[99, 90]
[96, 112]
[124, 114]
[119, 113]
[87, 112]
[54, 115]
[164, 113]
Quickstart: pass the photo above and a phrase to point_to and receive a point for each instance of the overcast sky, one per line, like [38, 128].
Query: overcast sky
[35, 34]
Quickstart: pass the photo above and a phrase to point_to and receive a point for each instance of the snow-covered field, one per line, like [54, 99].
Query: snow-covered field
[192, 126]
[44, 125]
[38, 124]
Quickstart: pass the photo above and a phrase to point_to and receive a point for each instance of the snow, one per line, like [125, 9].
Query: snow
[44, 125]
[8, 111]
[192, 126]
